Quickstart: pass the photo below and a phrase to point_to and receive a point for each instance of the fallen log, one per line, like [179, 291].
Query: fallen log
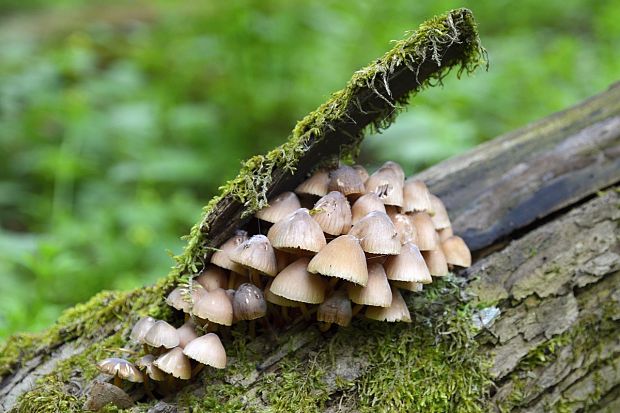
[532, 326]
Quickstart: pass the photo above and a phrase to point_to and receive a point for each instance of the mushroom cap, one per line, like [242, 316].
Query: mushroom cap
[297, 284]
[362, 172]
[162, 334]
[176, 363]
[249, 302]
[456, 251]
[416, 196]
[396, 312]
[364, 205]
[276, 299]
[377, 234]
[436, 262]
[333, 213]
[216, 307]
[342, 257]
[427, 236]
[336, 309]
[408, 286]
[346, 180]
[212, 277]
[297, 233]
[408, 266]
[404, 227]
[221, 257]
[386, 183]
[279, 207]
[187, 332]
[317, 184]
[440, 217]
[176, 299]
[207, 349]
[122, 368]
[257, 254]
[146, 363]
[376, 293]
[394, 166]
[140, 329]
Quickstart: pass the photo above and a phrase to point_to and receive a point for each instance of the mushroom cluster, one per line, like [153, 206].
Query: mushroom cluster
[345, 243]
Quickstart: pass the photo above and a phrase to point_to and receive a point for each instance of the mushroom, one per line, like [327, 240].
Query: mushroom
[456, 251]
[162, 335]
[342, 258]
[362, 172]
[333, 213]
[216, 307]
[121, 369]
[206, 350]
[336, 309]
[151, 372]
[440, 217]
[279, 207]
[249, 303]
[436, 262]
[257, 255]
[221, 257]
[212, 277]
[396, 312]
[175, 363]
[408, 266]
[377, 234]
[346, 180]
[427, 236]
[140, 329]
[387, 184]
[297, 233]
[376, 293]
[295, 283]
[408, 285]
[279, 301]
[176, 299]
[416, 196]
[364, 205]
[444, 233]
[404, 227]
[187, 332]
[316, 185]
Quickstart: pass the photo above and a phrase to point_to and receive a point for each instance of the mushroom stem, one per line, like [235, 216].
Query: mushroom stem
[252, 329]
[356, 309]
[146, 349]
[117, 381]
[304, 311]
[255, 278]
[170, 384]
[285, 315]
[323, 327]
[333, 282]
[232, 280]
[197, 369]
[267, 326]
[146, 387]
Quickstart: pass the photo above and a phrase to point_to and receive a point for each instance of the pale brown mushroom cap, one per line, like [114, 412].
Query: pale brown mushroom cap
[456, 251]
[377, 234]
[140, 329]
[176, 299]
[342, 257]
[216, 307]
[122, 368]
[396, 312]
[364, 205]
[176, 363]
[408, 286]
[394, 166]
[146, 363]
[346, 180]
[249, 302]
[436, 262]
[279, 207]
[336, 309]
[444, 233]
[362, 172]
[333, 213]
[416, 196]
[404, 227]
[162, 334]
[387, 184]
[187, 332]
[207, 350]
[276, 299]
[212, 277]
[257, 254]
[427, 236]
[221, 257]
[408, 266]
[316, 185]
[297, 284]
[376, 293]
[297, 233]
[440, 217]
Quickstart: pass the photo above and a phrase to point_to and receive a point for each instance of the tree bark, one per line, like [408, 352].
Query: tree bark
[540, 208]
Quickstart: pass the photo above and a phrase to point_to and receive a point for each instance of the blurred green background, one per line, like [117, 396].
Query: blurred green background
[119, 120]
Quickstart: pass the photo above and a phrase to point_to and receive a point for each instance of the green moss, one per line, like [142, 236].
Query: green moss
[53, 400]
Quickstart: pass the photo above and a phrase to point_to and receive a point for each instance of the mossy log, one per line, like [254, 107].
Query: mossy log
[532, 326]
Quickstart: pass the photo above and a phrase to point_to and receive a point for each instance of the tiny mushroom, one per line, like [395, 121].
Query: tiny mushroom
[121, 369]
[257, 255]
[153, 372]
[207, 350]
[456, 251]
[388, 185]
[316, 185]
[139, 330]
[408, 266]
[396, 312]
[342, 258]
[427, 236]
[362, 172]
[333, 213]
[174, 362]
[162, 335]
[297, 233]
[377, 234]
[297, 284]
[249, 302]
[216, 307]
[376, 293]
[436, 262]
[279, 207]
[336, 309]
[212, 277]
[187, 332]
[364, 205]
[221, 257]
[346, 180]
[440, 217]
[416, 196]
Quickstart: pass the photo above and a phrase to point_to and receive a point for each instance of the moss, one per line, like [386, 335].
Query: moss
[53, 400]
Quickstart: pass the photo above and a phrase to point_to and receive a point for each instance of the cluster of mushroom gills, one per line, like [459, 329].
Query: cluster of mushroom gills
[344, 241]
